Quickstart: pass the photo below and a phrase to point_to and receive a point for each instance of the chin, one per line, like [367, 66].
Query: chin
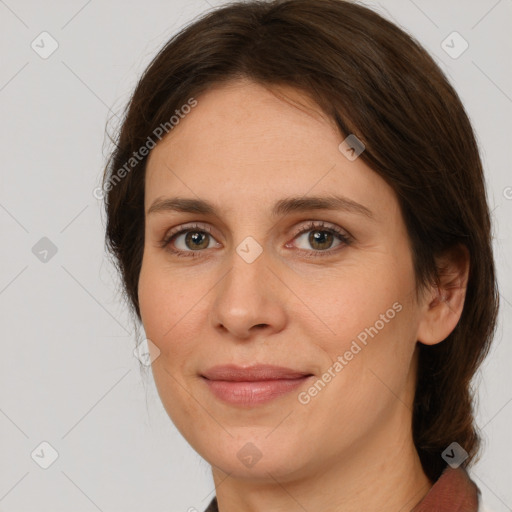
[261, 459]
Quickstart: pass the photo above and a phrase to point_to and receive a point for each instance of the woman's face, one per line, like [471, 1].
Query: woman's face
[246, 287]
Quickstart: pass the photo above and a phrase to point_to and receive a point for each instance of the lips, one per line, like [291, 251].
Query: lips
[255, 373]
[254, 385]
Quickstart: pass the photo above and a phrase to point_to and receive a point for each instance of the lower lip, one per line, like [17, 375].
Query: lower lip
[253, 393]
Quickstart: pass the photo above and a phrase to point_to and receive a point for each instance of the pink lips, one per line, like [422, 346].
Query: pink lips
[252, 385]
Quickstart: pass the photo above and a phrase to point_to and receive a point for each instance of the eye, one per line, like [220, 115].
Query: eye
[321, 238]
[188, 241]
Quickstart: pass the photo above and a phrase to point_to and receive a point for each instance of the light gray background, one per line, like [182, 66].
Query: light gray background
[68, 373]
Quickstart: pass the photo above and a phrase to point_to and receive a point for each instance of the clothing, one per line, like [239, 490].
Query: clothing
[454, 491]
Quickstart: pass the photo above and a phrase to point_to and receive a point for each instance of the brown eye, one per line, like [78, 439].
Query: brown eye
[320, 240]
[189, 241]
[197, 240]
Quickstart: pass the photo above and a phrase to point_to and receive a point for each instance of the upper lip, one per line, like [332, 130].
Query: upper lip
[252, 373]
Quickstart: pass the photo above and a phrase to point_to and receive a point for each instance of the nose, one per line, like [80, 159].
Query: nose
[249, 299]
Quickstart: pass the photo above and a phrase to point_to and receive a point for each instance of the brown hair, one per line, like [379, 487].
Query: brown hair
[374, 81]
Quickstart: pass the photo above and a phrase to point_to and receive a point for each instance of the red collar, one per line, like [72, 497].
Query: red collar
[454, 491]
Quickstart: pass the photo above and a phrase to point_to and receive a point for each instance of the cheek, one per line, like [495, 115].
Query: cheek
[368, 318]
[371, 362]
[154, 303]
[164, 308]
[159, 303]
[172, 307]
[350, 299]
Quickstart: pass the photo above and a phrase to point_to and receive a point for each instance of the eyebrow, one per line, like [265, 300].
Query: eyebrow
[281, 207]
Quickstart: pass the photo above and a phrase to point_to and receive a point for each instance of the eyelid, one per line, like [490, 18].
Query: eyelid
[321, 225]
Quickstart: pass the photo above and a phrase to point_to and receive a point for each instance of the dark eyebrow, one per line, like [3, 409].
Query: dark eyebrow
[281, 207]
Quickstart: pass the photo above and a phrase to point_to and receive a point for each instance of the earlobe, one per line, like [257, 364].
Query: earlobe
[442, 308]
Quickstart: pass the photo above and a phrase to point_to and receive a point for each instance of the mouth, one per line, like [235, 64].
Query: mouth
[251, 386]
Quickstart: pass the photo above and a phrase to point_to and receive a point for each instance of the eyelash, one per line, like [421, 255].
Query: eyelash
[312, 225]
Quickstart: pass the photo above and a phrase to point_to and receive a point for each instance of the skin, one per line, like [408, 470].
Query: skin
[243, 148]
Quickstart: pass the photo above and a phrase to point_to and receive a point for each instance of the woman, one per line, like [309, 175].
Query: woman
[297, 209]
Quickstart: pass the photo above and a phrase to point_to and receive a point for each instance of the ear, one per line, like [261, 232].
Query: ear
[442, 305]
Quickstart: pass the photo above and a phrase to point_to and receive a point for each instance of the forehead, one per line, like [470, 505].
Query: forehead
[244, 143]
